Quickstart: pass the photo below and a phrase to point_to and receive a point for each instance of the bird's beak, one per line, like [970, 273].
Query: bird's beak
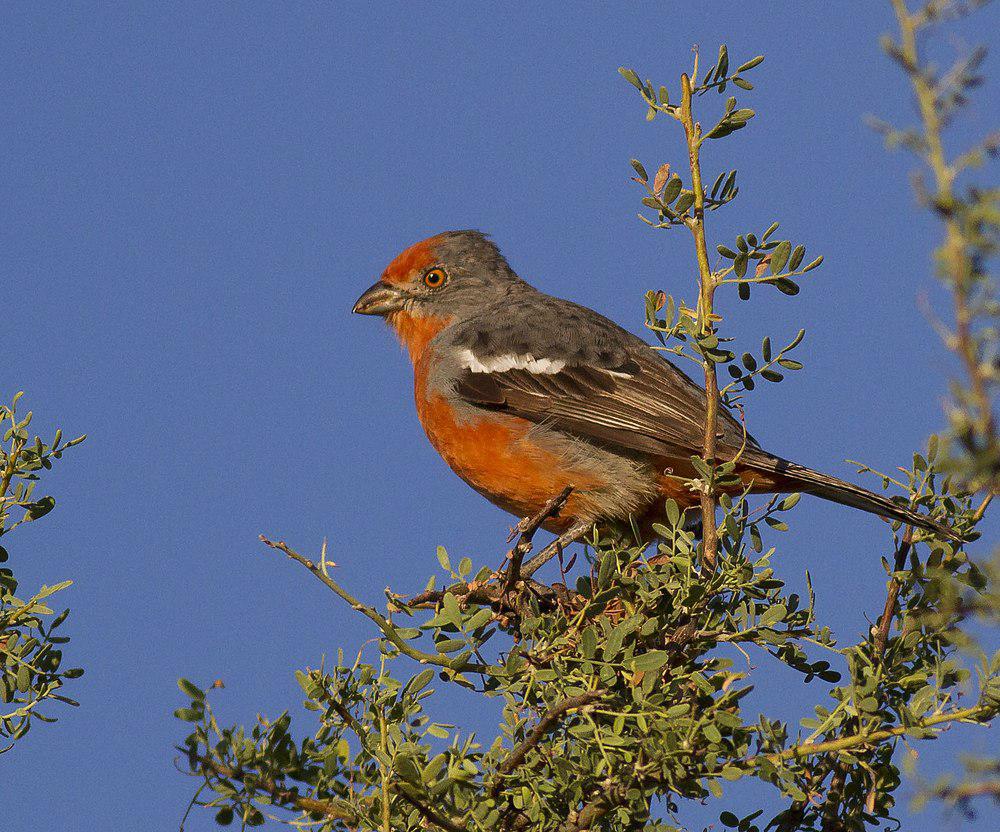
[379, 299]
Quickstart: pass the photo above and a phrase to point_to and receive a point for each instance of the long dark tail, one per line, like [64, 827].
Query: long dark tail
[794, 477]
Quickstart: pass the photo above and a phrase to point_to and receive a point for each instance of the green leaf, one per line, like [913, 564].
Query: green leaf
[789, 502]
[607, 569]
[451, 612]
[443, 559]
[728, 253]
[673, 513]
[39, 508]
[653, 660]
[479, 619]
[785, 286]
[685, 201]
[722, 64]
[630, 76]
[613, 643]
[796, 259]
[742, 83]
[449, 645]
[780, 256]
[750, 64]
[813, 264]
[421, 680]
[639, 169]
[740, 264]
[190, 690]
[772, 615]
[672, 189]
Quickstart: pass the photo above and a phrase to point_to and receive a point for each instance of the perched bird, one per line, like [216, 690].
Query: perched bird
[524, 394]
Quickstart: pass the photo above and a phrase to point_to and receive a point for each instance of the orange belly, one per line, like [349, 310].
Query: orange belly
[495, 455]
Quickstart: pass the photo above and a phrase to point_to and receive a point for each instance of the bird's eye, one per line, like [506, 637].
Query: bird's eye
[435, 278]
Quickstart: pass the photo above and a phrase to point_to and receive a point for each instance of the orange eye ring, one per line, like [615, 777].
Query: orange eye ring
[435, 278]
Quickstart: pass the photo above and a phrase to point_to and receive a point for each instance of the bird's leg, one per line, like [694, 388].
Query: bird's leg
[571, 535]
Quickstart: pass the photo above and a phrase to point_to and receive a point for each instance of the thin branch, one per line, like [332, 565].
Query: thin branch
[429, 814]
[527, 527]
[976, 713]
[388, 630]
[484, 593]
[571, 535]
[548, 721]
[707, 284]
[602, 803]
[964, 792]
[288, 798]
[885, 622]
[957, 260]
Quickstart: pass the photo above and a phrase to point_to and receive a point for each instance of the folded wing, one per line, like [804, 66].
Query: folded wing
[642, 403]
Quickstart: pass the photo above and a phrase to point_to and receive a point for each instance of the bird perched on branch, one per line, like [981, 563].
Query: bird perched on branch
[524, 394]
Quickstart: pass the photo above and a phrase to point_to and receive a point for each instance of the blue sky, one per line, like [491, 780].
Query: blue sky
[196, 193]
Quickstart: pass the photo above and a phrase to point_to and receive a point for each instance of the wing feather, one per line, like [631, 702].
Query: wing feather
[648, 406]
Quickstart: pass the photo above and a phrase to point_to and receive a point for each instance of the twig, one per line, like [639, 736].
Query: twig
[284, 797]
[973, 714]
[964, 792]
[571, 535]
[885, 622]
[707, 283]
[428, 813]
[602, 803]
[330, 809]
[545, 724]
[528, 527]
[388, 630]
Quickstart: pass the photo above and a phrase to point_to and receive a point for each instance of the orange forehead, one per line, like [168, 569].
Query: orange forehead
[415, 259]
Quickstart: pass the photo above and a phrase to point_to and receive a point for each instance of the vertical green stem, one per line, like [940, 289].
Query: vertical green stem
[957, 261]
[707, 284]
[7, 475]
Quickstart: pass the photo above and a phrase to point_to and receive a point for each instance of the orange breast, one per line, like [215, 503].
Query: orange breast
[494, 454]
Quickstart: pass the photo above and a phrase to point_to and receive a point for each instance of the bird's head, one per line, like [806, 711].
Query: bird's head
[436, 281]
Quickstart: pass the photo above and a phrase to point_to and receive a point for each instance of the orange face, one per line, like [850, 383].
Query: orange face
[408, 267]
[410, 271]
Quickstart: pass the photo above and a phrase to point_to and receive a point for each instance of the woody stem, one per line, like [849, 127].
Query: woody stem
[706, 284]
[956, 260]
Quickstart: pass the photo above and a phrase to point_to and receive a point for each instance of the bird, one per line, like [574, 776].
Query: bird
[524, 395]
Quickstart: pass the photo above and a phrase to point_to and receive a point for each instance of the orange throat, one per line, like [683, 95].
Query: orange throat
[416, 331]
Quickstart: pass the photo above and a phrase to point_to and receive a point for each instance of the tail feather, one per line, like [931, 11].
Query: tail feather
[796, 477]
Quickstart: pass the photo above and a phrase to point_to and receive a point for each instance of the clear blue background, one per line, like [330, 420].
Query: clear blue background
[193, 196]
